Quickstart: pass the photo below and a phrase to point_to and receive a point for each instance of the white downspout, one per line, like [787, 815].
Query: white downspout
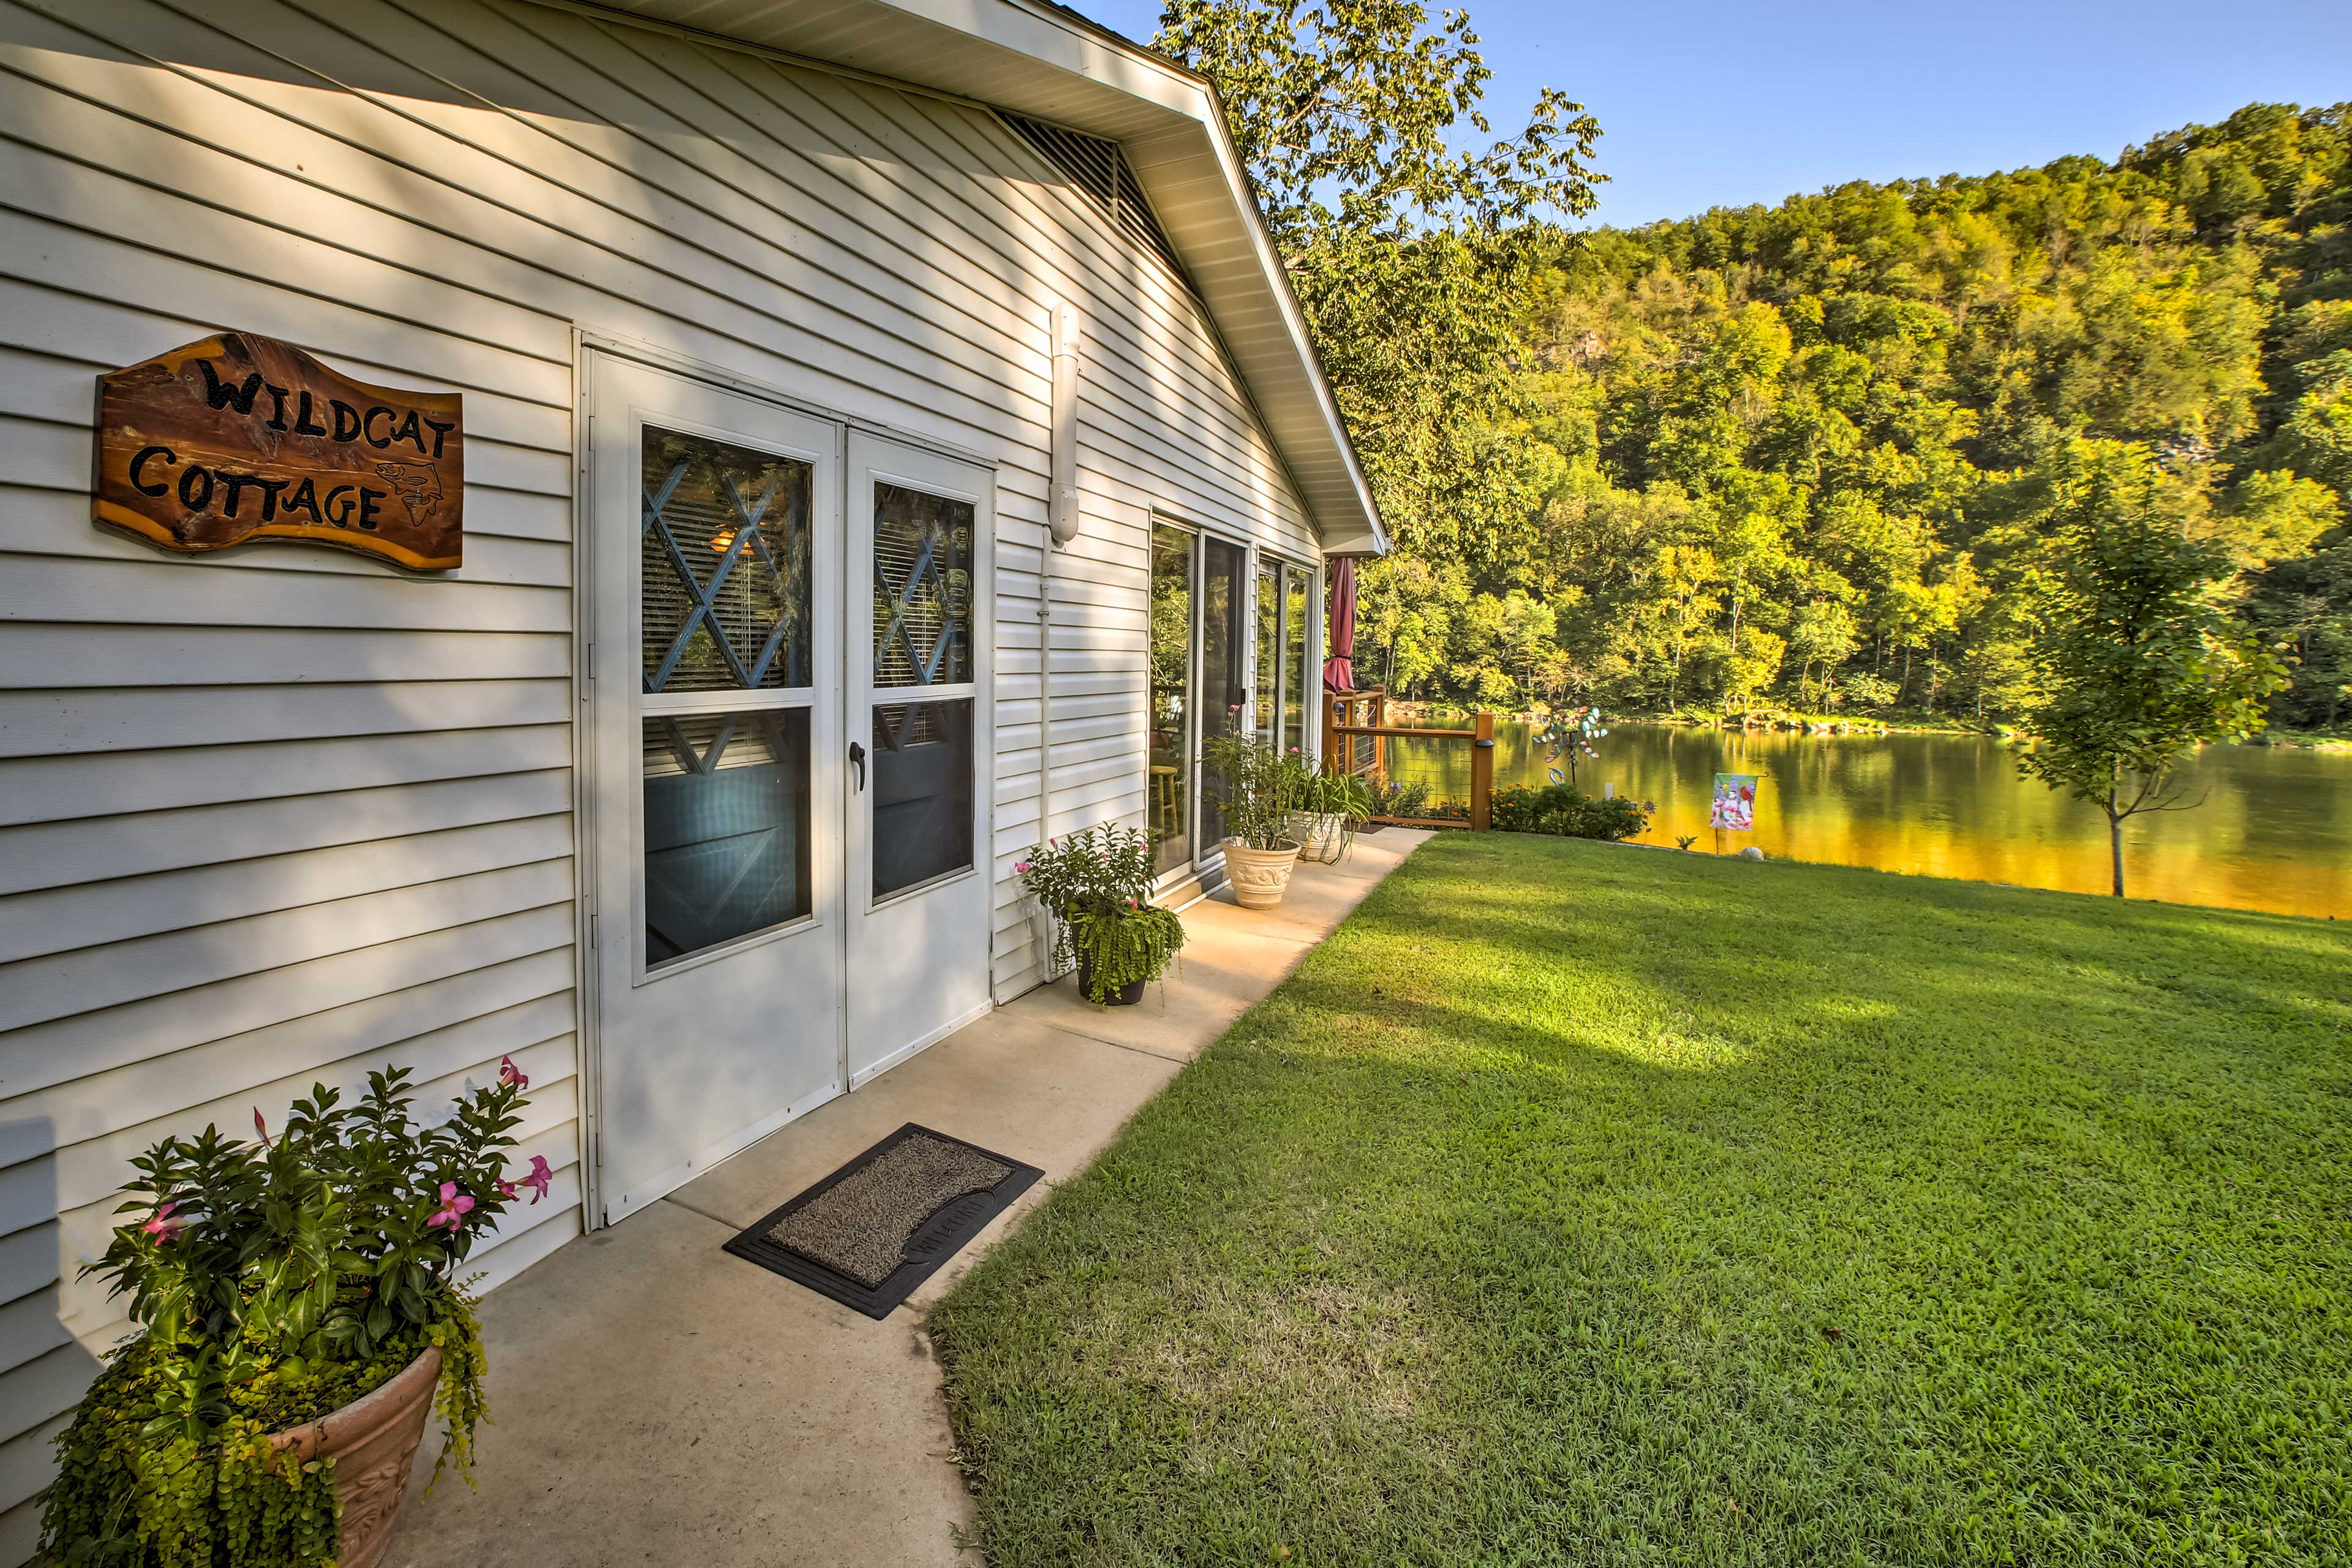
[1061, 517]
[1062, 527]
[1062, 524]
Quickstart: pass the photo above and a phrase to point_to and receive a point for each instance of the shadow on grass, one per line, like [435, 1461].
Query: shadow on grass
[1569, 1205]
[1793, 966]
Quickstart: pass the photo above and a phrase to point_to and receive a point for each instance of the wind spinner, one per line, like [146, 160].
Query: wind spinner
[1572, 731]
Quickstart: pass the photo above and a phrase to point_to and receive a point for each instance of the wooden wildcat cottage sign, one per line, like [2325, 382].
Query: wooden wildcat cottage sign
[240, 438]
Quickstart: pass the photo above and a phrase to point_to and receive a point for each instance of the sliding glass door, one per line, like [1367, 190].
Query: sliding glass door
[1286, 681]
[1300, 673]
[1200, 646]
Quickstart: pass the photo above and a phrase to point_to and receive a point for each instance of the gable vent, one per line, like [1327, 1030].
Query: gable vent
[1099, 168]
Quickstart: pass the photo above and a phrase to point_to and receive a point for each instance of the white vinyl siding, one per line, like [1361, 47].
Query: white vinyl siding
[284, 815]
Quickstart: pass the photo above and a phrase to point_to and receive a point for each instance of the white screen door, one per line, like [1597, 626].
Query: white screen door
[919, 876]
[716, 798]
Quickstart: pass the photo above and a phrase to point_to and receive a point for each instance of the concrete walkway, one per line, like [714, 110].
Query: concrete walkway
[660, 1401]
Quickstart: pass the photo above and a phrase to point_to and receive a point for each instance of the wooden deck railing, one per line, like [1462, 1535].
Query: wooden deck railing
[1356, 733]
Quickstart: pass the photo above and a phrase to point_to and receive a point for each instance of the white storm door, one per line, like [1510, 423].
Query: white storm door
[921, 529]
[715, 639]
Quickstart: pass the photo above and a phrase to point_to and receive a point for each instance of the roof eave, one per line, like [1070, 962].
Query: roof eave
[1044, 60]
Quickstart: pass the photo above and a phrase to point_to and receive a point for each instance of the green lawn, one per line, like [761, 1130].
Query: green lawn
[1577, 1203]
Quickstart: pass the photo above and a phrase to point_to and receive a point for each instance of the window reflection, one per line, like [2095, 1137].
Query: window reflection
[922, 588]
[1267, 667]
[1169, 800]
[922, 793]
[726, 828]
[1299, 673]
[1223, 645]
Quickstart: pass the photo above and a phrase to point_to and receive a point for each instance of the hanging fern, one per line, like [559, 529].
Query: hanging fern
[166, 1466]
[458, 1400]
[1120, 947]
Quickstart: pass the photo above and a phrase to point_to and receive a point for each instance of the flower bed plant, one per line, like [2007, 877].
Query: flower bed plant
[277, 1281]
[1411, 802]
[1391, 798]
[1566, 812]
[1096, 885]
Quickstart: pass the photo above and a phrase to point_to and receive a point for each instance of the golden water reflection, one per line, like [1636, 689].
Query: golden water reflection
[2275, 832]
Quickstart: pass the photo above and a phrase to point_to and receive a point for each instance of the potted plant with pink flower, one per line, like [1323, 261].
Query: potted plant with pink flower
[1095, 885]
[304, 1308]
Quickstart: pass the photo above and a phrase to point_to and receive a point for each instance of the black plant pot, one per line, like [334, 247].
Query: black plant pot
[1126, 996]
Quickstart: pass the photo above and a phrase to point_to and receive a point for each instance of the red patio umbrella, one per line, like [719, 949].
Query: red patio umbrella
[1338, 670]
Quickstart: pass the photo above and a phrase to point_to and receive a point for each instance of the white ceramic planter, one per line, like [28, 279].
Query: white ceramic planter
[1320, 836]
[1259, 877]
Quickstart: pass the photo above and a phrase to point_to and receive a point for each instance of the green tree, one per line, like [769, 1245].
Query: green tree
[2307, 605]
[1872, 397]
[2272, 516]
[2316, 437]
[1416, 612]
[2141, 662]
[1689, 576]
[1751, 664]
[1410, 259]
[1821, 634]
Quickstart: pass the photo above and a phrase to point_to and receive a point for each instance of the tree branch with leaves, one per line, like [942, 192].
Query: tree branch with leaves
[1410, 255]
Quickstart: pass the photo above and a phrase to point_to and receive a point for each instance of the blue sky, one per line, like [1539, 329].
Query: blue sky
[1707, 104]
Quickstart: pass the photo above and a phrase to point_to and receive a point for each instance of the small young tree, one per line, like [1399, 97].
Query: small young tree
[2139, 662]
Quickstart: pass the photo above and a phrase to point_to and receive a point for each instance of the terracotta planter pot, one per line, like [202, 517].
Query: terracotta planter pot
[371, 1441]
[1260, 876]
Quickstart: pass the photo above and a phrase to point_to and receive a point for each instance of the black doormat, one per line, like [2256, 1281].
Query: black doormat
[882, 1224]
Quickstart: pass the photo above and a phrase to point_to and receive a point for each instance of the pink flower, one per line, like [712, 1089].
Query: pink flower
[163, 1227]
[510, 1074]
[506, 1190]
[541, 1174]
[261, 1126]
[1021, 868]
[452, 1212]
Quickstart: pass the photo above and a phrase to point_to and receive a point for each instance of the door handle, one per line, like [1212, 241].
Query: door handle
[857, 760]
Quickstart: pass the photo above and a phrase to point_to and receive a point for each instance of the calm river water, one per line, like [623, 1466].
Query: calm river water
[2275, 833]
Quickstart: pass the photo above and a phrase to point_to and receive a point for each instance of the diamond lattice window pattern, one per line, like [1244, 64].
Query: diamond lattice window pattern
[724, 566]
[922, 589]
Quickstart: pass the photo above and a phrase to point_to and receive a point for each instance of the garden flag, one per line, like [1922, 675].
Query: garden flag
[1735, 803]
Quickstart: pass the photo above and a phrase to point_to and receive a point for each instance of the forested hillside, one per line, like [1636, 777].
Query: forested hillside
[1799, 456]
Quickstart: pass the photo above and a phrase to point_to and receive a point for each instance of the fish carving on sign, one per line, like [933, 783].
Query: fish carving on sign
[420, 487]
[241, 438]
